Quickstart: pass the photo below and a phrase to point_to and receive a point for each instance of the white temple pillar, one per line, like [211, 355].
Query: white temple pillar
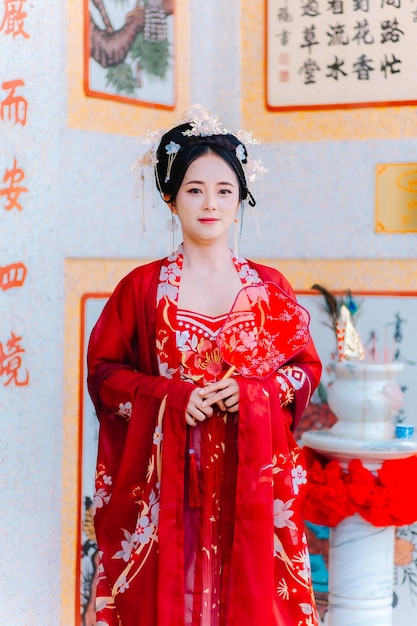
[361, 562]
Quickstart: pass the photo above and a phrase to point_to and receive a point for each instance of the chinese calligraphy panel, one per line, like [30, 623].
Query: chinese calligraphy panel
[340, 53]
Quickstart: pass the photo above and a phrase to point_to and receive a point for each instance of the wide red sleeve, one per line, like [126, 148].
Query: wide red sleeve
[123, 378]
[115, 347]
[121, 358]
[129, 396]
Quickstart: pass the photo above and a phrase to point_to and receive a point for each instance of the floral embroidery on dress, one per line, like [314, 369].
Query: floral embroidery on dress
[165, 370]
[103, 482]
[191, 335]
[168, 284]
[190, 338]
[296, 561]
[201, 359]
[125, 410]
[146, 529]
[285, 389]
[248, 275]
[282, 589]
[134, 546]
[299, 477]
[283, 513]
[303, 561]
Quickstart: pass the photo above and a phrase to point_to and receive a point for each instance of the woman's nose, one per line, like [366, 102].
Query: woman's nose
[210, 202]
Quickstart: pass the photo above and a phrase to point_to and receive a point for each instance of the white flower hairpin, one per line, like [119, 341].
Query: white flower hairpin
[171, 149]
[241, 153]
[148, 158]
[246, 138]
[202, 123]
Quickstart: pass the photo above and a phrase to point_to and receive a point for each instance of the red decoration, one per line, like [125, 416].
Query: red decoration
[387, 497]
[12, 275]
[263, 330]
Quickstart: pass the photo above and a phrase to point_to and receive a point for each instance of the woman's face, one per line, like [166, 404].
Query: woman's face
[207, 200]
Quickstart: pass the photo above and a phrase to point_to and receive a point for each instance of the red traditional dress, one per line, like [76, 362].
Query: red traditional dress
[218, 543]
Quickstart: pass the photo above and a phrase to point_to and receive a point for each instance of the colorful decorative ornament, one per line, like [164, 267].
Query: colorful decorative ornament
[349, 344]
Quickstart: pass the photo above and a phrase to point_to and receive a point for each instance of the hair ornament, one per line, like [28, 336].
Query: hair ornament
[147, 161]
[202, 123]
[255, 170]
[247, 138]
[171, 149]
[172, 224]
[241, 153]
[148, 158]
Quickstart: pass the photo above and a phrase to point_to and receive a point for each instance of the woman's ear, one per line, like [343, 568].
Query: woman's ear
[172, 207]
[169, 203]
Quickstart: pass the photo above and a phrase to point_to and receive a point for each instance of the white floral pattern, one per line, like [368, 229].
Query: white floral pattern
[299, 477]
[283, 513]
[134, 546]
[125, 410]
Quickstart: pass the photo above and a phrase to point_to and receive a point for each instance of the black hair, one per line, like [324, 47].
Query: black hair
[170, 168]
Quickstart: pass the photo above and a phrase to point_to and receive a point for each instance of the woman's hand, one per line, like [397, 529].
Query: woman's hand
[198, 409]
[225, 393]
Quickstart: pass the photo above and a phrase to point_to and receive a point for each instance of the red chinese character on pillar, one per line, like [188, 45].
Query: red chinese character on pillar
[13, 18]
[11, 362]
[13, 177]
[12, 275]
[16, 105]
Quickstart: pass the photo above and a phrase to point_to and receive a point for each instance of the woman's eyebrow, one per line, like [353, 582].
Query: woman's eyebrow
[201, 182]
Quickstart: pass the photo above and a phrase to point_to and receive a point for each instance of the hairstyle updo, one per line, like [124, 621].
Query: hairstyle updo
[176, 151]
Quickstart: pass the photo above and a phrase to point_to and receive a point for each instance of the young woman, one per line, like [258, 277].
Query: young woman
[199, 478]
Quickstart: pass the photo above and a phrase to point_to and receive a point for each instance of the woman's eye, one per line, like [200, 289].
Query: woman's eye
[225, 191]
[194, 190]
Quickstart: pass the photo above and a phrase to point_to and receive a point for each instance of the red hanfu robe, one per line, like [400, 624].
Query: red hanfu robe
[142, 512]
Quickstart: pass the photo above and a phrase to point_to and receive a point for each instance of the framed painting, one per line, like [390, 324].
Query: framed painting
[124, 58]
[129, 51]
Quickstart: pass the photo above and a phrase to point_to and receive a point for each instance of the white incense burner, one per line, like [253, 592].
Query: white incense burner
[365, 397]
